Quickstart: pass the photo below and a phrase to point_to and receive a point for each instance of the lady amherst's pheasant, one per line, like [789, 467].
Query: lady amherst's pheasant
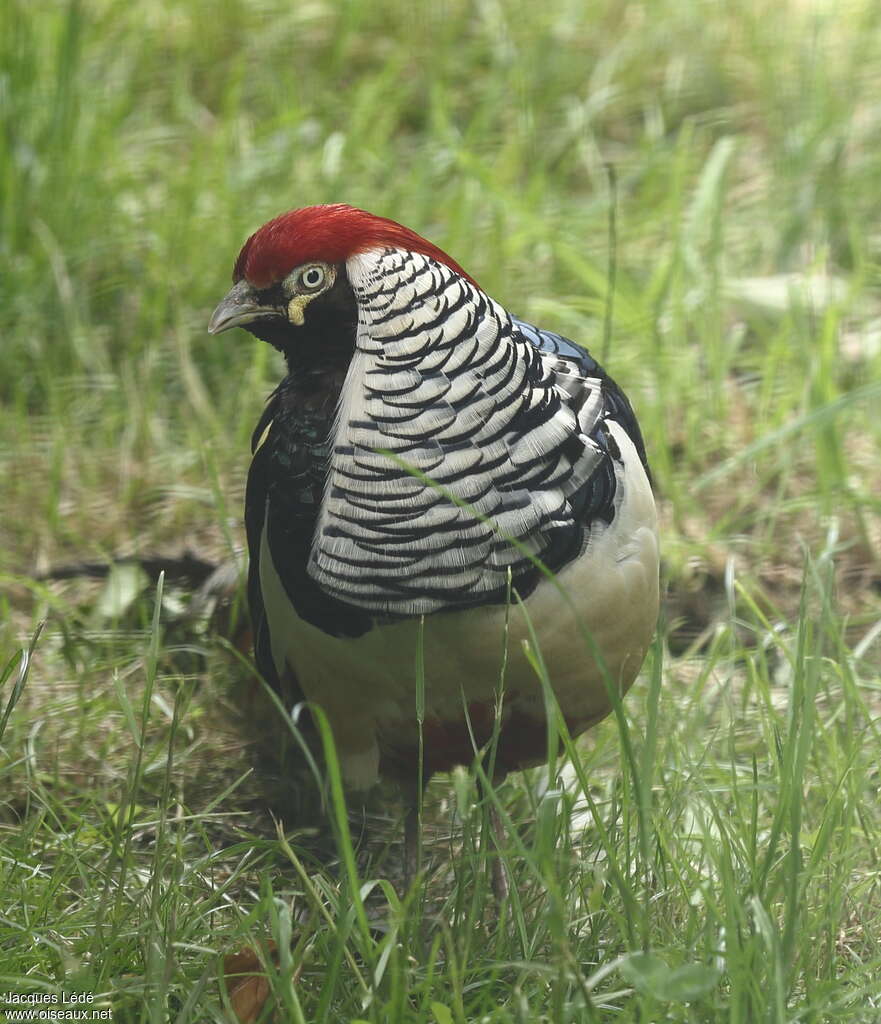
[435, 479]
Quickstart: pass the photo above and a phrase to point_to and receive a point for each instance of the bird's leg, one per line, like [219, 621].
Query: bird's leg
[500, 882]
[412, 845]
[412, 834]
[501, 886]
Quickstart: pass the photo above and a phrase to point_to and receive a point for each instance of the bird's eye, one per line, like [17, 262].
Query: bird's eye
[312, 278]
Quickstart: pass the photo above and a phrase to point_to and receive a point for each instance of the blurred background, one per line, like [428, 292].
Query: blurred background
[701, 178]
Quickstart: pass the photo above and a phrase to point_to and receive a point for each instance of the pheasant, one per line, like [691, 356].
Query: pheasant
[433, 478]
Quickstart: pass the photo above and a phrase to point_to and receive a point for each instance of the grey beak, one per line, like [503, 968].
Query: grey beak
[238, 307]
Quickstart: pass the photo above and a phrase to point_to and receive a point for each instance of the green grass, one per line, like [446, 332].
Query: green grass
[728, 869]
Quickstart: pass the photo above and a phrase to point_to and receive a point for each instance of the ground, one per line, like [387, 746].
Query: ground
[690, 190]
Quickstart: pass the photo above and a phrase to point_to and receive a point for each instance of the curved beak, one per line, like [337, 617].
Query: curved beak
[239, 306]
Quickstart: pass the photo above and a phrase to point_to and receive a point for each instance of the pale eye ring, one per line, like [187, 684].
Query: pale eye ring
[312, 278]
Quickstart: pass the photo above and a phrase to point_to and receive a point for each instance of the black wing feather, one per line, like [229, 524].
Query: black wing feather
[256, 495]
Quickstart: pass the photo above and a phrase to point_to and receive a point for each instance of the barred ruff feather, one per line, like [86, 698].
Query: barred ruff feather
[447, 381]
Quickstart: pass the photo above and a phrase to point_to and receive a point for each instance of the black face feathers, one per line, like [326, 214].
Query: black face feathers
[327, 336]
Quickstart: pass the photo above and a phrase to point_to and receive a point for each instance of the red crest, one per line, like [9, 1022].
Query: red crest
[330, 234]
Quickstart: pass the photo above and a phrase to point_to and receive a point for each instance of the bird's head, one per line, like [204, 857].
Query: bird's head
[291, 284]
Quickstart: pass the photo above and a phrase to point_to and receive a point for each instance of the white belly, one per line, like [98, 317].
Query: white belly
[367, 684]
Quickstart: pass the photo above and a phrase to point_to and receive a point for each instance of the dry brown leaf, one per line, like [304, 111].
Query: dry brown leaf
[246, 982]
